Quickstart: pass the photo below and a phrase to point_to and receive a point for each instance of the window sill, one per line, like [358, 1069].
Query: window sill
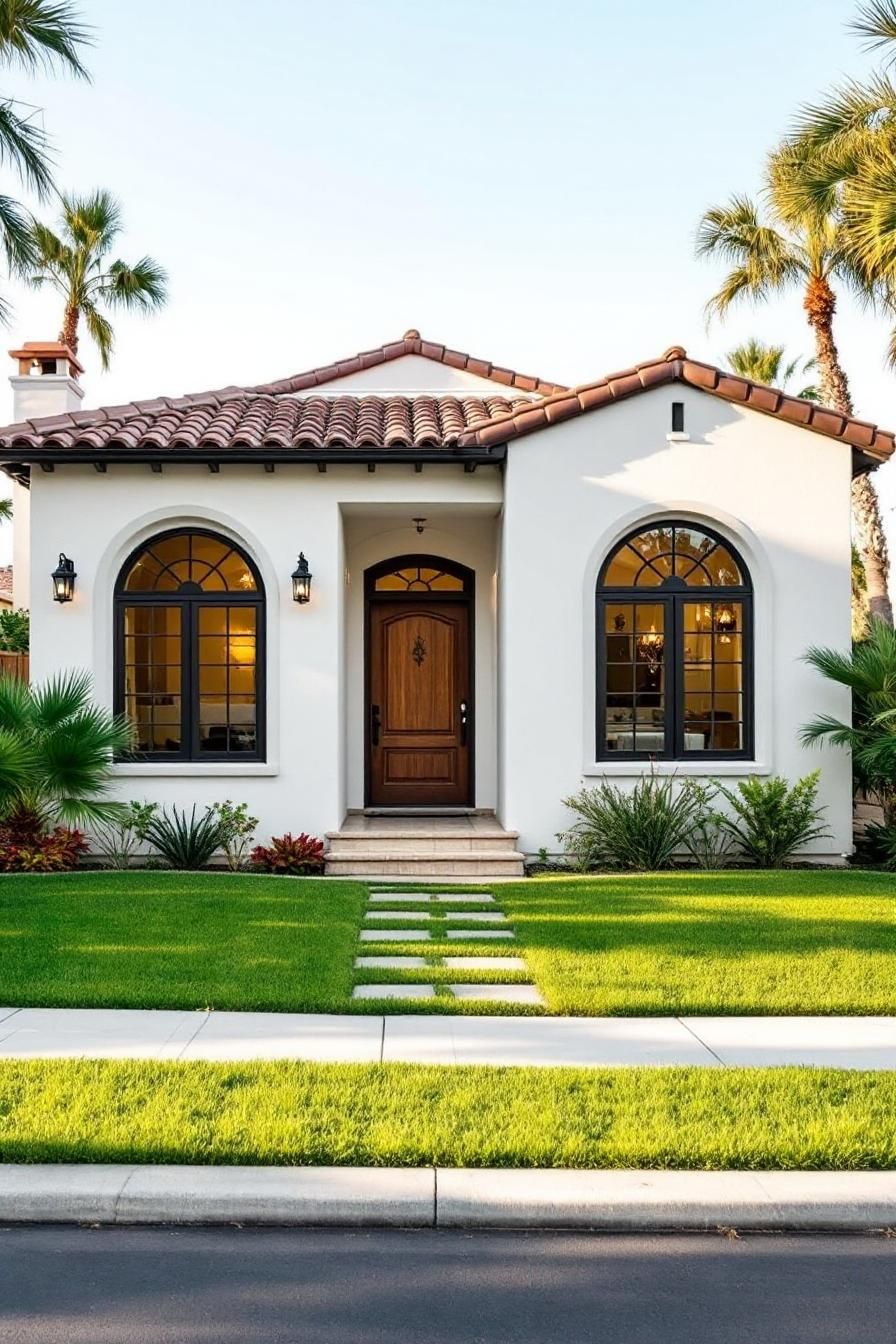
[200, 769]
[692, 769]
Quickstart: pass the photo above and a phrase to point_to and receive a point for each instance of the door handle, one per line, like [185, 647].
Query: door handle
[375, 725]
[464, 715]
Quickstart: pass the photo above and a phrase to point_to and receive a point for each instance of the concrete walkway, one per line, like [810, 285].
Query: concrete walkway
[70, 1033]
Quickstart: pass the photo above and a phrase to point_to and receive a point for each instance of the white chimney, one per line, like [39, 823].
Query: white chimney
[47, 381]
[46, 384]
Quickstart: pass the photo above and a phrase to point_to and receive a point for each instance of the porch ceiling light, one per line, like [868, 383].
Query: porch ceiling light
[64, 579]
[301, 581]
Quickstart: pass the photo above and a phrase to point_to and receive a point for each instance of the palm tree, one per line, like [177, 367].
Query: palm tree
[795, 244]
[5, 510]
[763, 363]
[75, 262]
[35, 35]
[56, 749]
[869, 671]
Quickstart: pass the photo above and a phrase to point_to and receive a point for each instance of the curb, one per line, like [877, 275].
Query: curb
[618, 1201]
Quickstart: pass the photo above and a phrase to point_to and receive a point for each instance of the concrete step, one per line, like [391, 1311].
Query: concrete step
[420, 843]
[363, 862]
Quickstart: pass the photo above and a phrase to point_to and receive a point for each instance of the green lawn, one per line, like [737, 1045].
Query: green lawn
[176, 940]
[703, 943]
[677, 943]
[404, 1115]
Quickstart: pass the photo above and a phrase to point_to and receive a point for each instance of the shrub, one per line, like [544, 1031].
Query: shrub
[879, 844]
[120, 837]
[641, 829]
[710, 844]
[55, 852]
[187, 842]
[869, 671]
[771, 820]
[15, 631]
[56, 750]
[237, 832]
[295, 855]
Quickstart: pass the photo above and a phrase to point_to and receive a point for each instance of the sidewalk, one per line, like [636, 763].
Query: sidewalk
[829, 1042]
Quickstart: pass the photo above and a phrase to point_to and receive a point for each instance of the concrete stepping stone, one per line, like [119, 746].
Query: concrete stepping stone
[498, 993]
[477, 917]
[477, 963]
[418, 897]
[392, 963]
[475, 935]
[393, 992]
[412, 916]
[396, 935]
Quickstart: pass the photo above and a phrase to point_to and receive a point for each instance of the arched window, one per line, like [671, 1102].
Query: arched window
[189, 653]
[674, 656]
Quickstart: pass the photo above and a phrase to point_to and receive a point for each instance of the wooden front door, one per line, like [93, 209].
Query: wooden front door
[419, 709]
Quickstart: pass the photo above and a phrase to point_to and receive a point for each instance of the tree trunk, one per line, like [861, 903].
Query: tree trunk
[872, 542]
[69, 333]
[820, 303]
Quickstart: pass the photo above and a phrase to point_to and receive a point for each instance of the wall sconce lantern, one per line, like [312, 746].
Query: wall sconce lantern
[64, 579]
[301, 581]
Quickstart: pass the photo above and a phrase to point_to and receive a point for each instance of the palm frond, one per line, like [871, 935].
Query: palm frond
[101, 333]
[830, 730]
[42, 34]
[869, 214]
[839, 125]
[757, 361]
[143, 285]
[17, 239]
[14, 702]
[92, 222]
[764, 259]
[58, 699]
[24, 146]
[5, 510]
[876, 23]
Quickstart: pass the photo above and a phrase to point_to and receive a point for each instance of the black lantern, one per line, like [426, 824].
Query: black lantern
[301, 581]
[64, 579]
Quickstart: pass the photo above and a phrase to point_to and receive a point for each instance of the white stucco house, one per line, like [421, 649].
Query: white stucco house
[515, 588]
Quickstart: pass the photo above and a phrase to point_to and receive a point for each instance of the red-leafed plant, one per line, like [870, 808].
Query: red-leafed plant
[292, 854]
[57, 851]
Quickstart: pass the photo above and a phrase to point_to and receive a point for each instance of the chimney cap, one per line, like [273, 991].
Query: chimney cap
[40, 350]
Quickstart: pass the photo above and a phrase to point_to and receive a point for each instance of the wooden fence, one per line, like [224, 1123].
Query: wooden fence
[14, 665]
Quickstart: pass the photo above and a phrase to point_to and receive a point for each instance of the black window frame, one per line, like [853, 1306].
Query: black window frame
[189, 599]
[673, 594]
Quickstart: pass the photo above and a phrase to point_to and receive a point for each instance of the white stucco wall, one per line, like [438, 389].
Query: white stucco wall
[782, 496]
[567, 495]
[315, 688]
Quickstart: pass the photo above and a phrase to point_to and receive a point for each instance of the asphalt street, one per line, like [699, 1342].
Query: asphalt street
[271, 1286]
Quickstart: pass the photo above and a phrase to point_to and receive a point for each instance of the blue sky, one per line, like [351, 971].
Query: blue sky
[515, 179]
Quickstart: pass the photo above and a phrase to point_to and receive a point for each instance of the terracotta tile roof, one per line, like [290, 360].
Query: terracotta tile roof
[241, 422]
[870, 445]
[263, 421]
[411, 343]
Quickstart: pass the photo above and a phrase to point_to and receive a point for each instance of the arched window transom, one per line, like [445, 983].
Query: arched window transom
[674, 621]
[189, 608]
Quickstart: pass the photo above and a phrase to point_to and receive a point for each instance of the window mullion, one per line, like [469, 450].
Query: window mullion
[191, 682]
[676, 617]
